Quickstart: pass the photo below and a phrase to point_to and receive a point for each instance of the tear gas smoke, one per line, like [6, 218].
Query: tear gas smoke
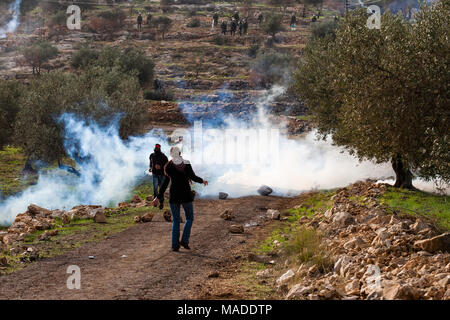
[225, 155]
[11, 26]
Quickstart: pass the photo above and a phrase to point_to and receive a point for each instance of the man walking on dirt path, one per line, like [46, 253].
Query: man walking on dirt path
[157, 162]
[139, 22]
[179, 173]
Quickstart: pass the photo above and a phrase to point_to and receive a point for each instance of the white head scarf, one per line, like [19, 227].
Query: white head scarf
[175, 153]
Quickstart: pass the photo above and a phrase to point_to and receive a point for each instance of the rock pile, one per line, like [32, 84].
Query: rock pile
[373, 254]
[38, 219]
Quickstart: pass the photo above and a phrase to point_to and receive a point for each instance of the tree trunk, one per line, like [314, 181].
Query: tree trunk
[28, 168]
[403, 176]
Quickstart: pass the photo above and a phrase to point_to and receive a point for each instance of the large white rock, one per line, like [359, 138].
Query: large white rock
[273, 214]
[298, 291]
[285, 277]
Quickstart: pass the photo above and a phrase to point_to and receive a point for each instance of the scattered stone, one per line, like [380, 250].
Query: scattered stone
[298, 291]
[136, 199]
[123, 205]
[223, 195]
[35, 210]
[236, 228]
[264, 273]
[438, 243]
[343, 219]
[167, 216]
[137, 219]
[328, 214]
[147, 217]
[227, 215]
[98, 215]
[65, 219]
[214, 274]
[273, 214]
[395, 291]
[352, 288]
[265, 190]
[285, 277]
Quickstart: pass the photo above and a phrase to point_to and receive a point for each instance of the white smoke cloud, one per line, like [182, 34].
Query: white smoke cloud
[11, 26]
[111, 167]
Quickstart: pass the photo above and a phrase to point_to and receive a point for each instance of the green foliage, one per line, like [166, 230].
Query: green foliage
[129, 61]
[307, 246]
[272, 24]
[417, 203]
[84, 57]
[194, 23]
[270, 67]
[38, 53]
[12, 161]
[98, 94]
[10, 92]
[162, 24]
[383, 94]
[324, 28]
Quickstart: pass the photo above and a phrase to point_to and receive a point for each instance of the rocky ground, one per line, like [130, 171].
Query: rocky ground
[367, 251]
[137, 263]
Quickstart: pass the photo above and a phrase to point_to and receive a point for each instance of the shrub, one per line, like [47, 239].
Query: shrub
[158, 95]
[194, 23]
[307, 246]
[270, 67]
[39, 53]
[84, 57]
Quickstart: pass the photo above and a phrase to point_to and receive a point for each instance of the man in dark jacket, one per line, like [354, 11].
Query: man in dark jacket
[157, 162]
[179, 174]
[223, 26]
[139, 21]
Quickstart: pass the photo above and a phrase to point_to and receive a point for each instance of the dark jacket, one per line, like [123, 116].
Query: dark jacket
[158, 158]
[179, 178]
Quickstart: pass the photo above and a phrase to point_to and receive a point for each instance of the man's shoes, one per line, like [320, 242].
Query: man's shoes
[185, 245]
[176, 249]
[161, 206]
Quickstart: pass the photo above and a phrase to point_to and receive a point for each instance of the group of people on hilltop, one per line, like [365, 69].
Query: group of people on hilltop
[236, 24]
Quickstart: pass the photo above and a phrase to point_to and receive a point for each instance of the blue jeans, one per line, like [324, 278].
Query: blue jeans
[189, 213]
[157, 182]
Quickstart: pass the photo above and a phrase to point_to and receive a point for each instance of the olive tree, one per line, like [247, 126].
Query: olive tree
[383, 93]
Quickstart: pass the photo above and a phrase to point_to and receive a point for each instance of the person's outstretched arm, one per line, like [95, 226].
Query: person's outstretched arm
[191, 175]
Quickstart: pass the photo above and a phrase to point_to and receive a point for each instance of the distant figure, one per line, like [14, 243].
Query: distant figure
[336, 18]
[157, 162]
[223, 26]
[139, 21]
[245, 26]
[236, 16]
[240, 26]
[293, 20]
[179, 173]
[149, 18]
[215, 19]
[157, 84]
[260, 18]
[233, 27]
[314, 19]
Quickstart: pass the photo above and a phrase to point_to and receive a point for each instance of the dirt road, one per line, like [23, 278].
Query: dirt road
[149, 270]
